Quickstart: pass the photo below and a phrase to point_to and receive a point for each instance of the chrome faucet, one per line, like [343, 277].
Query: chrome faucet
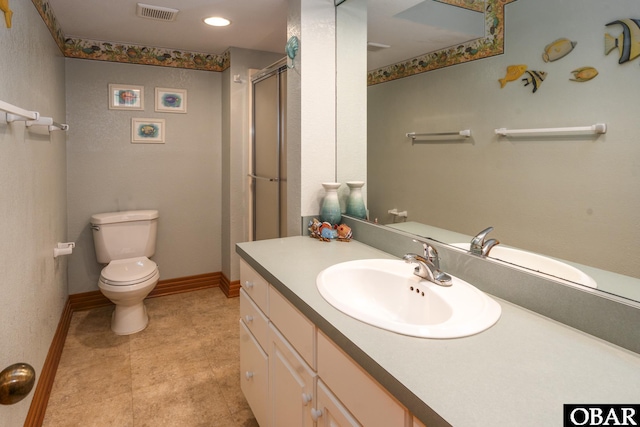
[480, 246]
[428, 266]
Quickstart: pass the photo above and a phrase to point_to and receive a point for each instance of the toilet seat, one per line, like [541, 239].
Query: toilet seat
[127, 272]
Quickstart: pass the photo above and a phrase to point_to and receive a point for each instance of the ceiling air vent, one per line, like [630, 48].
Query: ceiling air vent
[158, 13]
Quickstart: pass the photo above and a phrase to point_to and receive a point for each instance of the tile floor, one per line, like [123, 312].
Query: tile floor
[182, 370]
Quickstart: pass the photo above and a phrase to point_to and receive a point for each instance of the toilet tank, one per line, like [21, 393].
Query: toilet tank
[126, 234]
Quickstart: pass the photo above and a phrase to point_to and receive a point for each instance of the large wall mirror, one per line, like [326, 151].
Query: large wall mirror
[573, 196]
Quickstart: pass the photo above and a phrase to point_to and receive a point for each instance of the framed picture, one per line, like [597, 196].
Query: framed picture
[126, 97]
[147, 131]
[171, 100]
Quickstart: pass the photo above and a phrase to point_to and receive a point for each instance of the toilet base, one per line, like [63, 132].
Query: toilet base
[127, 320]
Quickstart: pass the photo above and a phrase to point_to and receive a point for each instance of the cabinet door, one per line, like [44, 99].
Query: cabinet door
[254, 371]
[291, 384]
[367, 400]
[329, 411]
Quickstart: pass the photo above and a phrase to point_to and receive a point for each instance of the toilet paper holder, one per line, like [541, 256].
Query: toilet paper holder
[63, 249]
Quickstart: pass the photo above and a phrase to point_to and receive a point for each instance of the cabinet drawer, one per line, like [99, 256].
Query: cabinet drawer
[366, 399]
[255, 285]
[254, 319]
[329, 411]
[295, 327]
[254, 375]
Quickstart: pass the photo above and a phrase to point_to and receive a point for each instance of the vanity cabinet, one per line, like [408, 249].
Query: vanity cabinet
[254, 371]
[254, 342]
[291, 384]
[294, 375]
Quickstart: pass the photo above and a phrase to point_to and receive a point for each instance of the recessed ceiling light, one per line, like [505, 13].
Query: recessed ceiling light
[217, 21]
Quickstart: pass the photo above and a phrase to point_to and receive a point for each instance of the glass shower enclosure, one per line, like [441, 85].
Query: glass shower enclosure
[269, 162]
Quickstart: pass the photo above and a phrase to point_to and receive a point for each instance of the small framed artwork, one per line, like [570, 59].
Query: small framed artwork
[147, 131]
[126, 97]
[171, 100]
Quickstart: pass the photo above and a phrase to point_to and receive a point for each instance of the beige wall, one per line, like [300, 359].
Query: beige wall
[181, 178]
[33, 285]
[574, 198]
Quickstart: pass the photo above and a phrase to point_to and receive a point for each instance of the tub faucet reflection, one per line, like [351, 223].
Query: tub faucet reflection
[428, 265]
[480, 246]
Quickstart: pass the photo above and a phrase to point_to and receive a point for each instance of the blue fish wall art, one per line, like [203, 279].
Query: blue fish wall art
[628, 42]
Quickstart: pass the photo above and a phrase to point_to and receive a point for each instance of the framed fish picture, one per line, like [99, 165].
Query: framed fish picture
[171, 100]
[147, 131]
[126, 97]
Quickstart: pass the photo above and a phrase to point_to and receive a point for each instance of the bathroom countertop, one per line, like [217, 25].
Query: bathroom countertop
[521, 371]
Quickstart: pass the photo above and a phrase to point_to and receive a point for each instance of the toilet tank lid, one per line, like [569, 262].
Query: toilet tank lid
[124, 216]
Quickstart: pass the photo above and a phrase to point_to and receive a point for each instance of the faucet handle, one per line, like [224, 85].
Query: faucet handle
[478, 241]
[425, 245]
[430, 253]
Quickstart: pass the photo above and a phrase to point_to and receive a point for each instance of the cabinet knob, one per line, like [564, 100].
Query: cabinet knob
[248, 284]
[306, 398]
[248, 375]
[248, 318]
[315, 414]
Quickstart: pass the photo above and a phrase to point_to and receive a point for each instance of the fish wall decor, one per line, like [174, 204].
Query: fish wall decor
[628, 42]
[513, 73]
[535, 78]
[558, 49]
[8, 13]
[583, 74]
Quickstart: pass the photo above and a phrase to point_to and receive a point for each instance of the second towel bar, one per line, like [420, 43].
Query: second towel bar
[598, 128]
[47, 121]
[464, 133]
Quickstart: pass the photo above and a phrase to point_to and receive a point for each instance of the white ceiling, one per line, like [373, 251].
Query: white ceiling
[414, 27]
[256, 24]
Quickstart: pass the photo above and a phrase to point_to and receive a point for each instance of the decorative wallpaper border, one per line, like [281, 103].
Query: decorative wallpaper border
[145, 55]
[477, 5]
[490, 45]
[128, 53]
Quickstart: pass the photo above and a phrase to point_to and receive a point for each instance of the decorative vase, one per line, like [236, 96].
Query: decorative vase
[355, 202]
[330, 209]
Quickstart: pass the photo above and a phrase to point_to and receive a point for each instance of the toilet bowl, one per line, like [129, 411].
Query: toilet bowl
[124, 241]
[127, 282]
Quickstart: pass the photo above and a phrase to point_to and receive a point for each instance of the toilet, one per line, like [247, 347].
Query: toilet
[125, 241]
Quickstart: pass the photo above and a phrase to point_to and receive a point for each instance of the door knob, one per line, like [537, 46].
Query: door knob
[16, 382]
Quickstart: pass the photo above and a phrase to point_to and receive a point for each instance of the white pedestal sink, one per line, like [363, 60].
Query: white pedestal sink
[385, 293]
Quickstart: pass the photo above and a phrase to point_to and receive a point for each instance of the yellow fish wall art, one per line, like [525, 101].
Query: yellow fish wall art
[513, 73]
[558, 49]
[583, 74]
[628, 42]
[4, 6]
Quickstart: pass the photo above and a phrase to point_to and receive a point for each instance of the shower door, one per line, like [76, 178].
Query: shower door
[269, 177]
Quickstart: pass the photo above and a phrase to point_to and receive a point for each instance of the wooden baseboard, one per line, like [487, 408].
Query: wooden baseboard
[38, 407]
[94, 299]
[230, 289]
[186, 284]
